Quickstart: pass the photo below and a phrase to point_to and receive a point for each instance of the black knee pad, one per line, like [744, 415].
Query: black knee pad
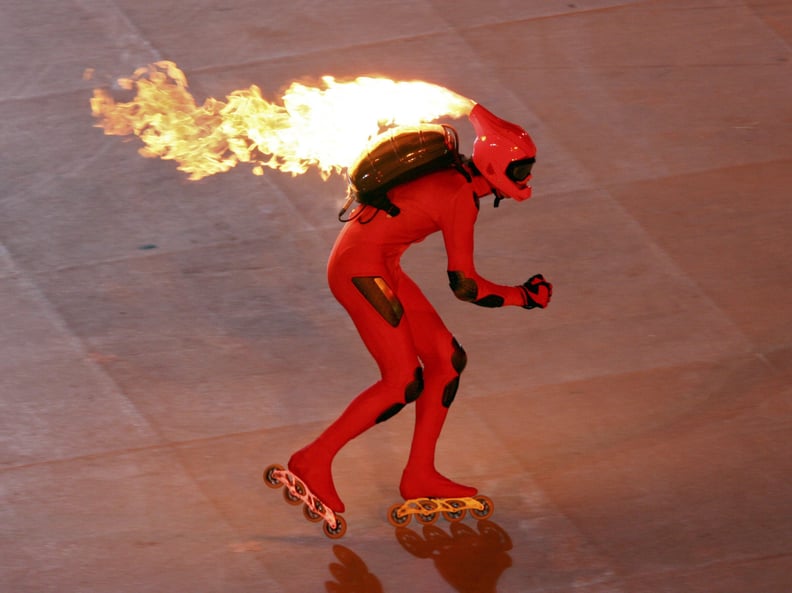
[390, 412]
[450, 391]
[458, 362]
[415, 387]
[459, 357]
[412, 392]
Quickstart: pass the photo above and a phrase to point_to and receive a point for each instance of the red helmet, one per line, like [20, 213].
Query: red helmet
[504, 154]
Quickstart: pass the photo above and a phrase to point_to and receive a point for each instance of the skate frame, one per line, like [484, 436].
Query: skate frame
[427, 510]
[296, 492]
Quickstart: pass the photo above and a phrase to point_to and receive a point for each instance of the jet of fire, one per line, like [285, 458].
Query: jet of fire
[324, 127]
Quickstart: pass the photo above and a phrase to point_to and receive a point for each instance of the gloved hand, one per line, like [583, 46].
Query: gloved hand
[537, 292]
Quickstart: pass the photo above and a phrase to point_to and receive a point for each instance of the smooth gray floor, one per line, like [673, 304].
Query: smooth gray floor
[163, 340]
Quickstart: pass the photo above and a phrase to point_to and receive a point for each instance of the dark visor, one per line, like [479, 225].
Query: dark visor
[520, 170]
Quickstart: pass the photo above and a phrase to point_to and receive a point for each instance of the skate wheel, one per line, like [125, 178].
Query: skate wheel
[291, 498]
[454, 516]
[488, 509]
[427, 519]
[310, 515]
[269, 478]
[299, 487]
[395, 519]
[338, 531]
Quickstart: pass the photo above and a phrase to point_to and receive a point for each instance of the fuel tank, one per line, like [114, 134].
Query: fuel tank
[398, 156]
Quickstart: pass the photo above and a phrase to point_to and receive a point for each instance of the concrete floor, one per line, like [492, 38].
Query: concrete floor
[163, 340]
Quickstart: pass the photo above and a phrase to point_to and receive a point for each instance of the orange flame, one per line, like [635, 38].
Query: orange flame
[326, 126]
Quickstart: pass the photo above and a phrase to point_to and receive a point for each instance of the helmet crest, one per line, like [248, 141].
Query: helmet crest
[503, 152]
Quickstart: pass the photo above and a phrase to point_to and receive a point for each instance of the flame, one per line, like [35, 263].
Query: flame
[325, 126]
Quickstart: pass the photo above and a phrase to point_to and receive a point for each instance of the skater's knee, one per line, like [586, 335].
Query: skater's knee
[458, 362]
[450, 391]
[458, 357]
[390, 412]
[415, 387]
[412, 391]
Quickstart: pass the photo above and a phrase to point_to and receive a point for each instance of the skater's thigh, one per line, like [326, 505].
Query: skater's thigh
[387, 338]
[429, 333]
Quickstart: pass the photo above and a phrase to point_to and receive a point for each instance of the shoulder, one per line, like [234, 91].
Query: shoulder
[436, 187]
[441, 195]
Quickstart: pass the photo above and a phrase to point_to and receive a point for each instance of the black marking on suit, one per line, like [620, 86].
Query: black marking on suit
[458, 362]
[412, 392]
[466, 289]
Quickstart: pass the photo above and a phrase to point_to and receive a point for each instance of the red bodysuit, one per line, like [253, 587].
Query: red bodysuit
[419, 359]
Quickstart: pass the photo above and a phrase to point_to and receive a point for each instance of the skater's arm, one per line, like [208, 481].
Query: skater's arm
[467, 284]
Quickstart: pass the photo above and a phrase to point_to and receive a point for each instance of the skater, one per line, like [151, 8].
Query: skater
[419, 359]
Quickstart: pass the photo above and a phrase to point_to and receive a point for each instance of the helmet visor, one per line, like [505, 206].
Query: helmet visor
[520, 170]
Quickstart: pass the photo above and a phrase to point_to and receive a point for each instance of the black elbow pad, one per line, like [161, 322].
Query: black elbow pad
[466, 289]
[463, 287]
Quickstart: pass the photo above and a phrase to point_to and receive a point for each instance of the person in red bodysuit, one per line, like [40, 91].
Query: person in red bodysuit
[419, 359]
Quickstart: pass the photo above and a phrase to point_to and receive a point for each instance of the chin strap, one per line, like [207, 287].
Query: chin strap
[485, 187]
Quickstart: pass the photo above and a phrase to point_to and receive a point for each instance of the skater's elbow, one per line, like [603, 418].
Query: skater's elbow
[464, 288]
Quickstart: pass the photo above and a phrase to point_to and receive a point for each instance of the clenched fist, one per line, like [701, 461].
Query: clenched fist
[537, 292]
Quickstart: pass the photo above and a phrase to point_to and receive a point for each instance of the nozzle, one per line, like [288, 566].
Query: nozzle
[349, 199]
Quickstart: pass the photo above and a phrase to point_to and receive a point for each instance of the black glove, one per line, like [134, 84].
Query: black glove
[537, 292]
